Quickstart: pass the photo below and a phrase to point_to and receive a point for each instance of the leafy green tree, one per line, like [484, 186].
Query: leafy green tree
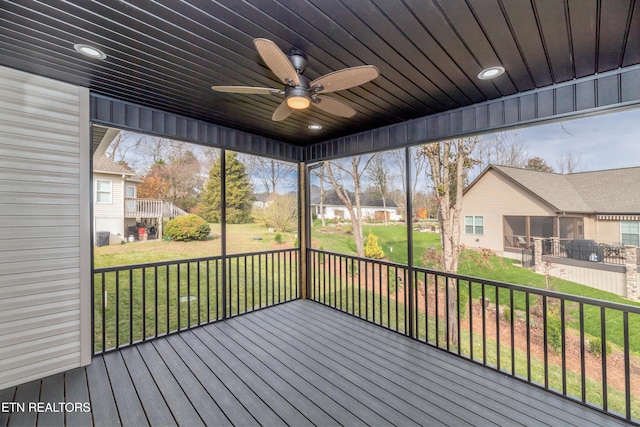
[538, 164]
[238, 192]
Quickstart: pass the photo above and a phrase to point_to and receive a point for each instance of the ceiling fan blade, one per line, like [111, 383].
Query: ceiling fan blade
[346, 78]
[248, 90]
[282, 112]
[277, 61]
[335, 107]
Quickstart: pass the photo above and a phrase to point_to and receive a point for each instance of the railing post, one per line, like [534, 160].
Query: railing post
[223, 228]
[409, 220]
[303, 229]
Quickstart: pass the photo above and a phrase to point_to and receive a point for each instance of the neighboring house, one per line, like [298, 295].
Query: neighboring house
[506, 207]
[371, 205]
[117, 210]
[112, 184]
[262, 200]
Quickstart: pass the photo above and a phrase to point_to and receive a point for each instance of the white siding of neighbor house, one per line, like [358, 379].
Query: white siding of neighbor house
[333, 212]
[493, 197]
[109, 216]
[45, 306]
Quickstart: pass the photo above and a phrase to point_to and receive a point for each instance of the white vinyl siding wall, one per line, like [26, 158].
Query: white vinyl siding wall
[45, 304]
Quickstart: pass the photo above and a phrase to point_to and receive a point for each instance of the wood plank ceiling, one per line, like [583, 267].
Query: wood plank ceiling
[167, 54]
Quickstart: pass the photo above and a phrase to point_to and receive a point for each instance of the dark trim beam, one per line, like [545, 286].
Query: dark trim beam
[127, 116]
[590, 95]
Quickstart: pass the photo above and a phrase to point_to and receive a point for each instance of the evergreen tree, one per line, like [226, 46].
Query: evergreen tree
[238, 192]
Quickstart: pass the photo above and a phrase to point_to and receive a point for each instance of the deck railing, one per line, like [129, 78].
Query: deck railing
[150, 208]
[135, 303]
[584, 349]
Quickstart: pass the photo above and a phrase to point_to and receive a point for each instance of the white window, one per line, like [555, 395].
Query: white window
[630, 233]
[103, 191]
[474, 225]
[131, 191]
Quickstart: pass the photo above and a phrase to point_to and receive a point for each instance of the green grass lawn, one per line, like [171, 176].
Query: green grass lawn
[240, 239]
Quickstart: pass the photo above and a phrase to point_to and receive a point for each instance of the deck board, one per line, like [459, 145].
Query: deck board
[298, 363]
[6, 395]
[52, 391]
[105, 414]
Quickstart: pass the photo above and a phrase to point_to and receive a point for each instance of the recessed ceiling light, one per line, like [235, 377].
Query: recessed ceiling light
[89, 51]
[315, 127]
[491, 73]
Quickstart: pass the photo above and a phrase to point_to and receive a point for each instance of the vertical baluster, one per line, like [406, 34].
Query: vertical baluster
[497, 328]
[470, 320]
[117, 309]
[178, 280]
[512, 311]
[130, 306]
[563, 347]
[528, 322]
[144, 304]
[484, 325]
[104, 309]
[603, 351]
[627, 364]
[583, 373]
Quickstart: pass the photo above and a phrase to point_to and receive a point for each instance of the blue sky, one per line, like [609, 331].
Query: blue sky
[605, 141]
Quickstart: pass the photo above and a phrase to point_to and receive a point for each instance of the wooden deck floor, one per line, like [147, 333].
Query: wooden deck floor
[294, 364]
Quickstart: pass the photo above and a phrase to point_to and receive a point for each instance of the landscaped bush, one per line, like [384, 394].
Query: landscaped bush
[188, 227]
[372, 249]
[278, 238]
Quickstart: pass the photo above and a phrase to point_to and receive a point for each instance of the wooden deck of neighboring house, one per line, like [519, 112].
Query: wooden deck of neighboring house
[298, 363]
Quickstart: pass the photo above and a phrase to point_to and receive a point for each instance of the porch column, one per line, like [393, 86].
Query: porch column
[631, 267]
[537, 255]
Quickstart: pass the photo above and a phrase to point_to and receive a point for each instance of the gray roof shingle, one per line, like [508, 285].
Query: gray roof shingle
[607, 191]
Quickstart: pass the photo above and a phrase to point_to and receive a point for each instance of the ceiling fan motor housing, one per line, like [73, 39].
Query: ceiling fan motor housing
[298, 60]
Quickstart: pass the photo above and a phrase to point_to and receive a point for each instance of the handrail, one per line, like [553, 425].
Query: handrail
[135, 303]
[524, 332]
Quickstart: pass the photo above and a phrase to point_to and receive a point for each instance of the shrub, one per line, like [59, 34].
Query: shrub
[554, 333]
[594, 346]
[278, 238]
[372, 248]
[188, 227]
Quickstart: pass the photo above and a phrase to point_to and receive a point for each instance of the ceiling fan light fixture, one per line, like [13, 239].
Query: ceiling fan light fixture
[89, 51]
[298, 102]
[491, 73]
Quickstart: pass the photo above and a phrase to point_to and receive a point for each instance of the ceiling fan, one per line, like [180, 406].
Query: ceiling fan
[299, 92]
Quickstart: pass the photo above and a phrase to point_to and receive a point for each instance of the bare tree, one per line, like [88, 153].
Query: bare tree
[351, 175]
[282, 212]
[503, 148]
[569, 162]
[449, 161]
[269, 172]
[323, 193]
[379, 178]
[419, 163]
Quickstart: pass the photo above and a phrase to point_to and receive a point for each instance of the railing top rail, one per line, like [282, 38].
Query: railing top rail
[187, 260]
[522, 288]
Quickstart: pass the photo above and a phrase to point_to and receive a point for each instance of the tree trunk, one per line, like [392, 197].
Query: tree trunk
[384, 207]
[354, 211]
